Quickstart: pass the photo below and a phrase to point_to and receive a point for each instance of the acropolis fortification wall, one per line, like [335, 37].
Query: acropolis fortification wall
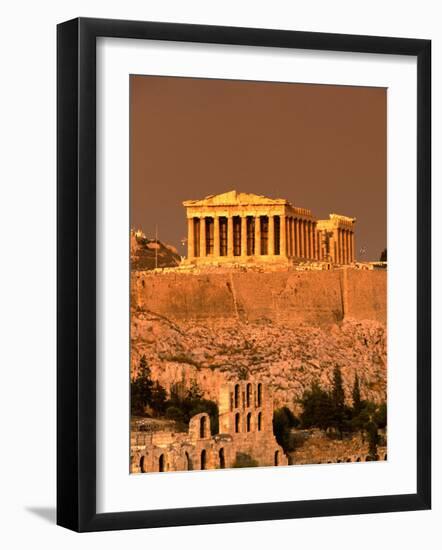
[287, 297]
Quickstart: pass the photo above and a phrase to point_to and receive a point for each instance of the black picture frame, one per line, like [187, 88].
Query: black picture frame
[76, 274]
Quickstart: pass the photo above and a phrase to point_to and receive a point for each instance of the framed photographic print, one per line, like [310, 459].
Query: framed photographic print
[243, 315]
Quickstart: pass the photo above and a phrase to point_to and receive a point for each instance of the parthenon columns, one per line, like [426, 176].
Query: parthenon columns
[352, 248]
[271, 239]
[292, 236]
[286, 236]
[298, 237]
[216, 244]
[282, 235]
[190, 237]
[257, 236]
[345, 243]
[223, 227]
[301, 238]
[202, 237]
[243, 236]
[341, 246]
[230, 236]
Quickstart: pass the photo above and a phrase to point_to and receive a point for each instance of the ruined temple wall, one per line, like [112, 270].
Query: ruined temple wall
[289, 297]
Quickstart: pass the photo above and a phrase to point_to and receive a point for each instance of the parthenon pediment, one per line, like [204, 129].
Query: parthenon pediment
[234, 198]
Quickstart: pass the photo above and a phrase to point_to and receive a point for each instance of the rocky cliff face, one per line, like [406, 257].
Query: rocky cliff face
[213, 351]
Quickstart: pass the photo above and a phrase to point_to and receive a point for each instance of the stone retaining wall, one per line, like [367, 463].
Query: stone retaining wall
[287, 297]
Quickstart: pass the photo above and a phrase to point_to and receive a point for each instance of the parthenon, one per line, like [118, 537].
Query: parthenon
[238, 227]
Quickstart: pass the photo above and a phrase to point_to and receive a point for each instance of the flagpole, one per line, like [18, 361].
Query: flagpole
[156, 246]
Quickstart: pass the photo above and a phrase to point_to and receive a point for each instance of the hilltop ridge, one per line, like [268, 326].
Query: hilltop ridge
[150, 253]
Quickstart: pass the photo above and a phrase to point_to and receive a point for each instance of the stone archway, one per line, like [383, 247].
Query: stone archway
[203, 422]
[222, 459]
[203, 462]
[237, 423]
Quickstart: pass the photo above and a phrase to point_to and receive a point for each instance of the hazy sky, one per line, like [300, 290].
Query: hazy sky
[320, 147]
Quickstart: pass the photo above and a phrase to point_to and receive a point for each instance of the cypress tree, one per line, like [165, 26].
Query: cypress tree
[338, 400]
[141, 388]
[356, 395]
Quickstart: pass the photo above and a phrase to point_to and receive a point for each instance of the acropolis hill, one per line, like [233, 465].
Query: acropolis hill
[267, 292]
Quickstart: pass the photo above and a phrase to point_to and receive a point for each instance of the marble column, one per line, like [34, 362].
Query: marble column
[352, 246]
[338, 246]
[306, 240]
[289, 240]
[229, 236]
[202, 237]
[244, 236]
[310, 240]
[314, 241]
[257, 250]
[216, 244]
[298, 237]
[343, 246]
[349, 247]
[271, 237]
[301, 238]
[307, 244]
[287, 235]
[283, 235]
[293, 237]
[190, 238]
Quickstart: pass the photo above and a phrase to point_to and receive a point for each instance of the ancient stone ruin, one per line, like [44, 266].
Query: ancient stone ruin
[245, 428]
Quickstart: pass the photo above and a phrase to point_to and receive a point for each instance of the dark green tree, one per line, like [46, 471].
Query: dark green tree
[381, 416]
[373, 438]
[141, 388]
[191, 402]
[174, 413]
[244, 460]
[339, 412]
[317, 408]
[338, 394]
[194, 392]
[283, 423]
[356, 396]
[158, 399]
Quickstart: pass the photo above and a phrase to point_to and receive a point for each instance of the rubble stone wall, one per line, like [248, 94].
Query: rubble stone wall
[317, 448]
